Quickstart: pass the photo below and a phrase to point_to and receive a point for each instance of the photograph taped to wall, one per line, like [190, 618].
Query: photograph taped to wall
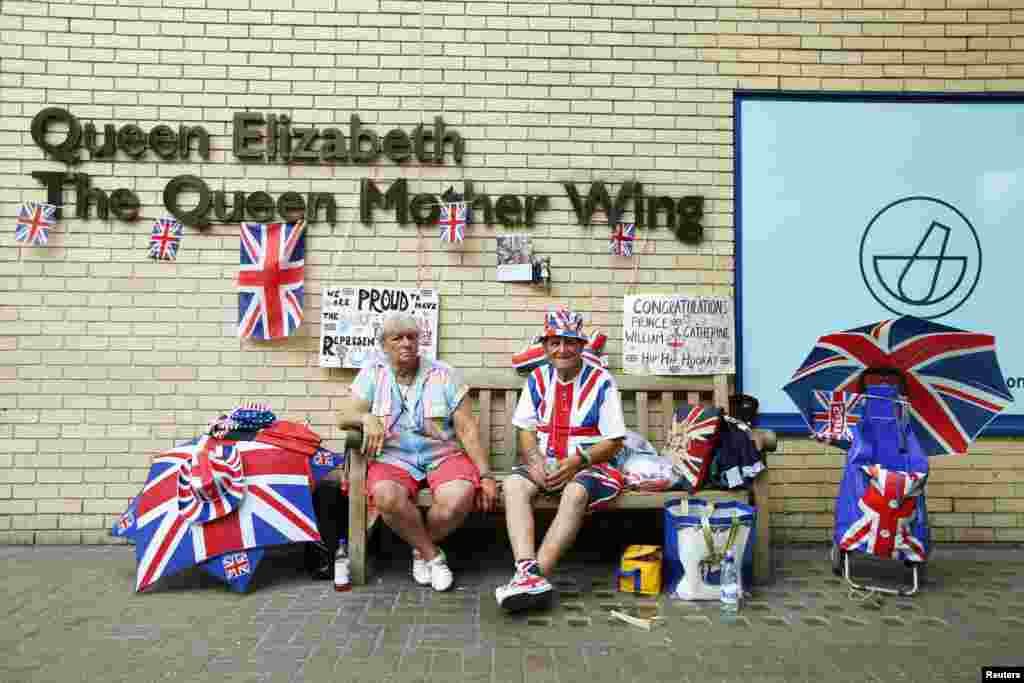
[678, 334]
[351, 318]
[856, 208]
[515, 257]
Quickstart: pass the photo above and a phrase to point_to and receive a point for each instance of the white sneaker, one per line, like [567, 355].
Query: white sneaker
[434, 573]
[420, 570]
[526, 589]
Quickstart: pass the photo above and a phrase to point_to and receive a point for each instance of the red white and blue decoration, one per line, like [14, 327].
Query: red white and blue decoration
[452, 222]
[692, 442]
[271, 279]
[952, 379]
[34, 222]
[621, 242]
[533, 355]
[838, 412]
[235, 569]
[165, 239]
[881, 507]
[178, 525]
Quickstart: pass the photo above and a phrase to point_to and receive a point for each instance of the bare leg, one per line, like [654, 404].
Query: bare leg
[403, 517]
[571, 508]
[519, 493]
[453, 501]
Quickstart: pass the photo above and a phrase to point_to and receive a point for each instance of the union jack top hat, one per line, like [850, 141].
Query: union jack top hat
[561, 322]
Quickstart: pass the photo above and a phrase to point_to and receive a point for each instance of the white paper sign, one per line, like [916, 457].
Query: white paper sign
[678, 334]
[351, 319]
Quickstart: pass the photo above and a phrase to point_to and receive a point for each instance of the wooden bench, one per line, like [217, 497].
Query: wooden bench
[649, 404]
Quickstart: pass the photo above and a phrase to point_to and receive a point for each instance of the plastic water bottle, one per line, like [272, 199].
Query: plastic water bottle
[730, 585]
[342, 581]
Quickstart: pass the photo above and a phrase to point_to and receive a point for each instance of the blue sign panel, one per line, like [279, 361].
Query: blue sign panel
[851, 209]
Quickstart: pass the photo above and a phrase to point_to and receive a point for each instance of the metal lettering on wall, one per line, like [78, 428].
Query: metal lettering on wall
[275, 138]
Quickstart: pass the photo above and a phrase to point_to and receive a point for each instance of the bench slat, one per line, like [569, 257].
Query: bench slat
[485, 419]
[510, 429]
[667, 409]
[642, 423]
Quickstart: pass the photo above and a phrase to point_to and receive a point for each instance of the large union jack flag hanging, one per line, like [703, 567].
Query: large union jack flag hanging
[886, 527]
[271, 277]
[165, 238]
[452, 222]
[621, 242]
[692, 442]
[277, 508]
[951, 377]
[34, 222]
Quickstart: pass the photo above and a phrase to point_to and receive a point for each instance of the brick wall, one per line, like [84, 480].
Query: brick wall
[107, 357]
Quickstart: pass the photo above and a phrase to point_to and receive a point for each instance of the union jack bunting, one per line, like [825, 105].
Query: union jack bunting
[271, 277]
[692, 442]
[452, 222]
[621, 242]
[165, 238]
[888, 515]
[34, 222]
[839, 411]
[277, 508]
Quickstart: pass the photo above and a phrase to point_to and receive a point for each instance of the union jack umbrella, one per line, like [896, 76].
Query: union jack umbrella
[692, 442]
[453, 221]
[170, 532]
[621, 242]
[165, 238]
[34, 222]
[271, 277]
[952, 380]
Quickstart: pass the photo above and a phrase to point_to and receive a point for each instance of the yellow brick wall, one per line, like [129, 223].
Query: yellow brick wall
[107, 357]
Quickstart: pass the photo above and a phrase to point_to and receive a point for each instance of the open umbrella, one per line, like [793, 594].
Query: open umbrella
[951, 378]
[189, 512]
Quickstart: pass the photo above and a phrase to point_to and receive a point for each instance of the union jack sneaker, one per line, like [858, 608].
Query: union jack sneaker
[528, 588]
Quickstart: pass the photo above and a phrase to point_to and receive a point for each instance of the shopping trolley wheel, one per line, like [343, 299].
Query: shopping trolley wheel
[836, 556]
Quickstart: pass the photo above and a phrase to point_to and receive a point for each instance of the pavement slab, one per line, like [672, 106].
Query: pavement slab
[71, 614]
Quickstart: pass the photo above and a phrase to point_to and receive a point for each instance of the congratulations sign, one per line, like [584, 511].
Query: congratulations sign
[678, 335]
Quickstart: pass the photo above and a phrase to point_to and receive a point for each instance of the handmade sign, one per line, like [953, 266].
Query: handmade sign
[621, 242]
[678, 335]
[351, 319]
[164, 239]
[34, 222]
[452, 222]
[271, 278]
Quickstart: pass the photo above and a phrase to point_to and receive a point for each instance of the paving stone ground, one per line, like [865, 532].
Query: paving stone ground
[70, 614]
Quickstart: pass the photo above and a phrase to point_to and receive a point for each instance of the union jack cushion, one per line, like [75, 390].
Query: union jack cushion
[691, 444]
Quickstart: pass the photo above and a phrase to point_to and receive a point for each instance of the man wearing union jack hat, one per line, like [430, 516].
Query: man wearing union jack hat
[570, 427]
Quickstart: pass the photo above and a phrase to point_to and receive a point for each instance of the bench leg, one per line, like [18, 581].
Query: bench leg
[357, 527]
[764, 566]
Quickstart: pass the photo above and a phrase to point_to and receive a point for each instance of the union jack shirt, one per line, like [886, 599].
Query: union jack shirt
[271, 278]
[34, 222]
[452, 222]
[621, 242]
[164, 239]
[570, 415]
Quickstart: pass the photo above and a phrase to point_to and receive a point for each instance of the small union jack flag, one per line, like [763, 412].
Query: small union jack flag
[838, 412]
[621, 243]
[34, 222]
[453, 222]
[127, 521]
[164, 240]
[236, 564]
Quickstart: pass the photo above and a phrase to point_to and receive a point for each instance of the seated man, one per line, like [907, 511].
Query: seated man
[418, 429]
[570, 426]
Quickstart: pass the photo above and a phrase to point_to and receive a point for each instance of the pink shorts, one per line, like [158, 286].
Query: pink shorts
[457, 467]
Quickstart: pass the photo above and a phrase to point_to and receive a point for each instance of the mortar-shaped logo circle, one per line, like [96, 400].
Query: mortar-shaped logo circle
[920, 256]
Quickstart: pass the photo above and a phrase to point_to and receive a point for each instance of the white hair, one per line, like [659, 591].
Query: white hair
[397, 322]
